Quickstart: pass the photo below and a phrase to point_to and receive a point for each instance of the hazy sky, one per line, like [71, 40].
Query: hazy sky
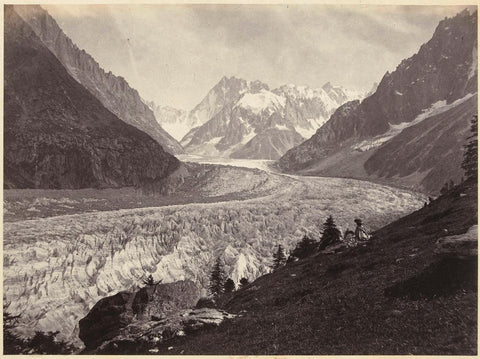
[173, 54]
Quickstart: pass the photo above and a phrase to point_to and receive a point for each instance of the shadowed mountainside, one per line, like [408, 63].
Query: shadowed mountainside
[112, 91]
[57, 134]
[359, 136]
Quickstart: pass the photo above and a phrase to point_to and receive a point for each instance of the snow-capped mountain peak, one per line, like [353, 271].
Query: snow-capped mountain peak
[251, 121]
[258, 102]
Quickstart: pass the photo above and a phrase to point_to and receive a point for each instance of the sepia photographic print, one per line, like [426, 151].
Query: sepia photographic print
[240, 179]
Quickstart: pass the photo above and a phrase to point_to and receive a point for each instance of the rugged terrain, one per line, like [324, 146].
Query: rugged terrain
[398, 294]
[428, 99]
[113, 91]
[252, 121]
[56, 268]
[57, 134]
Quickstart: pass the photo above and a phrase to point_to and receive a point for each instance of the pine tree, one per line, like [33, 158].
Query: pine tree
[331, 233]
[470, 157]
[306, 247]
[217, 278]
[243, 282]
[279, 258]
[149, 281]
[229, 286]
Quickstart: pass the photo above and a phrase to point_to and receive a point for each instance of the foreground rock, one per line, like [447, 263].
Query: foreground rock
[462, 246]
[143, 336]
[129, 313]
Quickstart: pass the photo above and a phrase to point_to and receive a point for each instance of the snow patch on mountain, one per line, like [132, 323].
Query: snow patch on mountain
[260, 101]
[473, 67]
[282, 128]
[435, 109]
[313, 125]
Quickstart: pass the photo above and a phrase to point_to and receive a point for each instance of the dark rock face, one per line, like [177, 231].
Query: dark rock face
[110, 317]
[444, 69]
[154, 301]
[106, 318]
[112, 91]
[57, 134]
[148, 336]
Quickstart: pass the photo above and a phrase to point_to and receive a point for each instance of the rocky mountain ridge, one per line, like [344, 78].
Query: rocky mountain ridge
[57, 134]
[258, 123]
[113, 91]
[442, 72]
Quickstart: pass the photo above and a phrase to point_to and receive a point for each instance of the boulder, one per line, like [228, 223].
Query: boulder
[143, 336]
[130, 313]
[461, 246]
[105, 319]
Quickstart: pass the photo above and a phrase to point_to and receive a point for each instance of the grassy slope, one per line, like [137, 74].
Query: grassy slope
[337, 304]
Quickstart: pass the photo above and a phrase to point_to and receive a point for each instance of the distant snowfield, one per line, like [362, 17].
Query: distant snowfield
[57, 268]
[264, 165]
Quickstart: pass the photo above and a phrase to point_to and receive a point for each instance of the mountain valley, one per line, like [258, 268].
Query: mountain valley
[283, 220]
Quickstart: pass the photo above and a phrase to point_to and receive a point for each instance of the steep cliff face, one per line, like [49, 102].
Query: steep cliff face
[57, 134]
[443, 71]
[112, 91]
[262, 124]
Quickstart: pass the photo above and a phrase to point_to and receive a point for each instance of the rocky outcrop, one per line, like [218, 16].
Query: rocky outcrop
[442, 72]
[462, 246]
[57, 134]
[151, 310]
[112, 315]
[141, 337]
[113, 91]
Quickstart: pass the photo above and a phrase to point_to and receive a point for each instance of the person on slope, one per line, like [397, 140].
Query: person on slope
[361, 235]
